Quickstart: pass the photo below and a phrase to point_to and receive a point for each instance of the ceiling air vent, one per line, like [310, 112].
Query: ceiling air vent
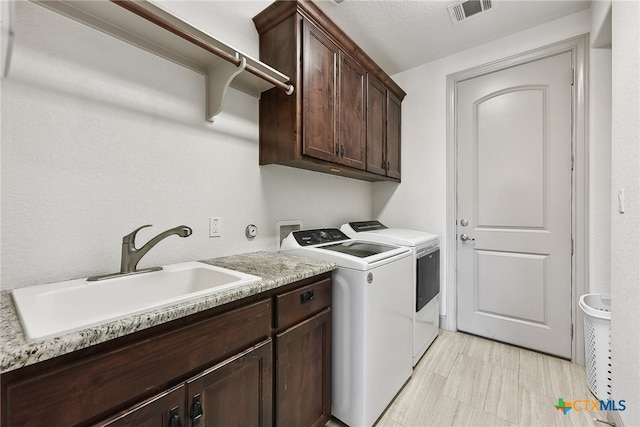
[466, 9]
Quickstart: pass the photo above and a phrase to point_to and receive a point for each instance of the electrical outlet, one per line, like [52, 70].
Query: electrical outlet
[215, 226]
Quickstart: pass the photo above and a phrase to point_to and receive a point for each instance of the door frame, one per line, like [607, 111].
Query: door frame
[579, 47]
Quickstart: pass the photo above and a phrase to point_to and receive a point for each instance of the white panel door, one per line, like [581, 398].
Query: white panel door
[514, 205]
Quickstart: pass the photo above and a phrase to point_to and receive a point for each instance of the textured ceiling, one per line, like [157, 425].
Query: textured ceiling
[402, 34]
[397, 34]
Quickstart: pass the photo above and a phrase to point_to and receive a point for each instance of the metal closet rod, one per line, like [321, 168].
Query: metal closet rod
[131, 6]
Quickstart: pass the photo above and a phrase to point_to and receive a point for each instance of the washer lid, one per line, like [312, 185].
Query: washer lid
[333, 246]
[394, 236]
[347, 257]
[359, 249]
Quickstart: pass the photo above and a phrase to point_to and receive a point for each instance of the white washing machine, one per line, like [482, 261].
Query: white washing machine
[371, 321]
[425, 248]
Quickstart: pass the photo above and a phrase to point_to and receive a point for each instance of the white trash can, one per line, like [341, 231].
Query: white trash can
[597, 343]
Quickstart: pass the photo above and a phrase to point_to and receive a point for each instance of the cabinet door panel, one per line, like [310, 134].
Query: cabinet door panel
[376, 126]
[154, 412]
[319, 94]
[351, 105]
[303, 373]
[236, 392]
[393, 136]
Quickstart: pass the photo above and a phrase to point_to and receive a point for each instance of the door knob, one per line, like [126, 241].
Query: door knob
[464, 237]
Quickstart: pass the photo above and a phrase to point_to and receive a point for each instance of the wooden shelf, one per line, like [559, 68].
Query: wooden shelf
[149, 27]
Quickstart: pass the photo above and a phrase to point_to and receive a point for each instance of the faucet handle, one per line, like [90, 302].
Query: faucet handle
[131, 237]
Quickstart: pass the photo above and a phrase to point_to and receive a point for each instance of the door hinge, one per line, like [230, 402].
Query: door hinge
[573, 77]
[572, 332]
[572, 246]
[573, 161]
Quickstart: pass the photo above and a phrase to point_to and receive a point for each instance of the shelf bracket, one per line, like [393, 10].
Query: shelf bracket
[159, 32]
[219, 79]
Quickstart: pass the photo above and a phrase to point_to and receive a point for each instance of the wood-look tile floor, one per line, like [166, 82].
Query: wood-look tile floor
[464, 380]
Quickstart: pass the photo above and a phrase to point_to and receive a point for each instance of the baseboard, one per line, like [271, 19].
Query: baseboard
[615, 418]
[443, 323]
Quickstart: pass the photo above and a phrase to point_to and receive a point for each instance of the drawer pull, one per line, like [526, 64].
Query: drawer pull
[306, 296]
[174, 418]
[196, 410]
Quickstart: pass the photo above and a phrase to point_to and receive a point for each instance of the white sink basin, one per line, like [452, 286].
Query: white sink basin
[57, 308]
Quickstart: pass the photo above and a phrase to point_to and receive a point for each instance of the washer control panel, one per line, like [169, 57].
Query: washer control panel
[318, 236]
[359, 226]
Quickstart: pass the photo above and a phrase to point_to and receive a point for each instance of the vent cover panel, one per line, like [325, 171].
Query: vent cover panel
[461, 11]
[471, 7]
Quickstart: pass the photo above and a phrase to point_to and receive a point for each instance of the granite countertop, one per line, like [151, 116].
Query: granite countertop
[275, 269]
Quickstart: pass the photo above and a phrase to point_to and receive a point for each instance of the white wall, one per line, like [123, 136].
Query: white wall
[600, 170]
[601, 23]
[600, 147]
[625, 228]
[99, 137]
[420, 200]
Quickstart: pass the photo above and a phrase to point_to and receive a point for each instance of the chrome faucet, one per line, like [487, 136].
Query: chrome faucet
[132, 256]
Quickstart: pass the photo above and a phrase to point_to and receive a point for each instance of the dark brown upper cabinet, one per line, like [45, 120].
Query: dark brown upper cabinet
[320, 106]
[383, 130]
[376, 126]
[330, 124]
[392, 152]
[352, 131]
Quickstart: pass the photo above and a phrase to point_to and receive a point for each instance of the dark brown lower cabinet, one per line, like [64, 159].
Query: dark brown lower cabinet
[163, 410]
[236, 392]
[303, 373]
[210, 369]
